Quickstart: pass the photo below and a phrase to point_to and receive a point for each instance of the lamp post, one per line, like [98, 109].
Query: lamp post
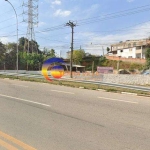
[17, 32]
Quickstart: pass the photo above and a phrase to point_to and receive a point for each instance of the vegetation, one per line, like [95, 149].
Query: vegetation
[78, 85]
[31, 58]
[102, 61]
[108, 49]
[78, 55]
[27, 61]
[148, 58]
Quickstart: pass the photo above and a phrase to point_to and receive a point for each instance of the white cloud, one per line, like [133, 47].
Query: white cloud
[62, 13]
[87, 13]
[4, 40]
[40, 24]
[56, 2]
[99, 40]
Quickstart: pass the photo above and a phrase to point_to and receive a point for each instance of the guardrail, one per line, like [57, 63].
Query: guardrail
[138, 88]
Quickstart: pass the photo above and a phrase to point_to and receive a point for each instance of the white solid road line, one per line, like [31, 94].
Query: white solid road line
[20, 99]
[134, 94]
[20, 85]
[111, 99]
[62, 92]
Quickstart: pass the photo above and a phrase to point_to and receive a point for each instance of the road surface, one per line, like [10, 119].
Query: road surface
[39, 116]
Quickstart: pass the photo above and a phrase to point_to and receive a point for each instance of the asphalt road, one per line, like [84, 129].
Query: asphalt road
[49, 117]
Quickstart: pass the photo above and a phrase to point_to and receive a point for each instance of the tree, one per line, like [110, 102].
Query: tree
[52, 53]
[108, 49]
[49, 53]
[11, 56]
[102, 59]
[78, 55]
[33, 45]
[147, 55]
[2, 54]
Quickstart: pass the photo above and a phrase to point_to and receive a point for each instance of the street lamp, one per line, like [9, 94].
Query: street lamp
[17, 32]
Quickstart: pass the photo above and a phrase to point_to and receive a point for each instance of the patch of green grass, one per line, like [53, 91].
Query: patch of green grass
[77, 85]
[111, 90]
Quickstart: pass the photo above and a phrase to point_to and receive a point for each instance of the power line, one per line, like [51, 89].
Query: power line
[8, 33]
[11, 25]
[22, 7]
[9, 18]
[9, 11]
[115, 12]
[11, 35]
[121, 29]
[50, 39]
[106, 17]
[51, 29]
[111, 16]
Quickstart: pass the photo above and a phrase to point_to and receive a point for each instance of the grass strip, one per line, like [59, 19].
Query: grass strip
[78, 85]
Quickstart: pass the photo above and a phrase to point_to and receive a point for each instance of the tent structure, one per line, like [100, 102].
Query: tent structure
[76, 68]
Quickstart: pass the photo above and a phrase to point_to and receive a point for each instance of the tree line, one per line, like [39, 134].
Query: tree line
[32, 58]
[29, 58]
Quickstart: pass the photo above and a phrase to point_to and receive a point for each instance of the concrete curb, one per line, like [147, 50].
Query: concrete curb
[129, 93]
[101, 90]
[81, 87]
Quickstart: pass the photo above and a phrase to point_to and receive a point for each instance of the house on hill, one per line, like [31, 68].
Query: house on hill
[130, 49]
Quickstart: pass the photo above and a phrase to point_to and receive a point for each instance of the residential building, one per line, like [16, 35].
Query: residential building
[130, 49]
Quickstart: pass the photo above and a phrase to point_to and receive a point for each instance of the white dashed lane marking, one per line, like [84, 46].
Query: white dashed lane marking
[112, 99]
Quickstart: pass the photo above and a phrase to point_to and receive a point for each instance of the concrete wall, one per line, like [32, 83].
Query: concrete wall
[127, 79]
[22, 71]
[111, 78]
[118, 78]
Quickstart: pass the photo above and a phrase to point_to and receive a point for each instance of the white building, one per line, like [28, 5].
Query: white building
[130, 49]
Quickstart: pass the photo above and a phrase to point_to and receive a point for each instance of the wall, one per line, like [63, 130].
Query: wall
[127, 79]
[110, 78]
[22, 71]
[116, 78]
[129, 52]
[133, 60]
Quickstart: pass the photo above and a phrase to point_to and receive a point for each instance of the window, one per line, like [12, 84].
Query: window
[134, 44]
[129, 45]
[138, 47]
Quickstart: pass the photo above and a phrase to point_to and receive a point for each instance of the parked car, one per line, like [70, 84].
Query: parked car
[146, 72]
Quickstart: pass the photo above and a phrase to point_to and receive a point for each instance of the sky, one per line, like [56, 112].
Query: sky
[99, 23]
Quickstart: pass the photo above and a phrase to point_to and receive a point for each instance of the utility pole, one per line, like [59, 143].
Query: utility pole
[72, 25]
[103, 50]
[17, 61]
[118, 65]
[93, 67]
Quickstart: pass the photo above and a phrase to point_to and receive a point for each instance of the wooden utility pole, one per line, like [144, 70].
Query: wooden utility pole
[93, 67]
[72, 25]
[118, 65]
[103, 50]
